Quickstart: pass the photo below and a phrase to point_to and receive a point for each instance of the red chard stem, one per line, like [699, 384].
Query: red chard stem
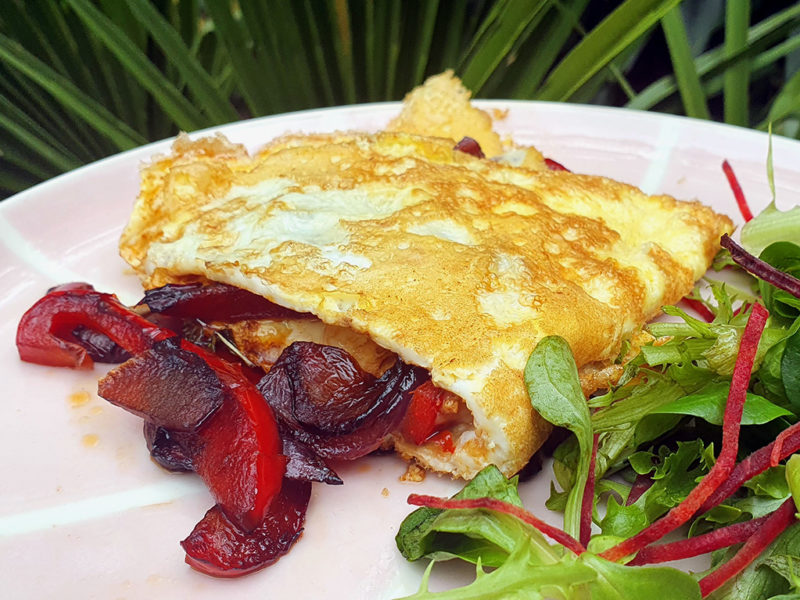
[553, 533]
[761, 269]
[587, 504]
[755, 544]
[701, 544]
[747, 214]
[758, 462]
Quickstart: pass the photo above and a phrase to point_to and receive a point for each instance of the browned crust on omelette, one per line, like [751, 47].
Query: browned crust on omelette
[457, 264]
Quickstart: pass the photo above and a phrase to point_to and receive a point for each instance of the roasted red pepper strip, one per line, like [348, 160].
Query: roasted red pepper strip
[555, 166]
[420, 420]
[444, 439]
[218, 548]
[237, 451]
[241, 438]
[470, 146]
[44, 334]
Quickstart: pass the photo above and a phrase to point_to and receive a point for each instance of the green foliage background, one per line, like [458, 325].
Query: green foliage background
[82, 79]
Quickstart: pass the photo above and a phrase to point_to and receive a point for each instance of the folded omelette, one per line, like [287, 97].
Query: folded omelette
[402, 246]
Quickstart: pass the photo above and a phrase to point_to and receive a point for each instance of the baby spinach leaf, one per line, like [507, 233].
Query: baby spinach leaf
[786, 257]
[709, 404]
[551, 378]
[790, 370]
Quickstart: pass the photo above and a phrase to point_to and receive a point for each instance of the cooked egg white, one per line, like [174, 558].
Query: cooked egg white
[453, 263]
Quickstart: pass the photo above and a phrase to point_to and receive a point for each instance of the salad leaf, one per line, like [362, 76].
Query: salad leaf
[618, 582]
[790, 370]
[769, 226]
[419, 532]
[784, 256]
[674, 475]
[518, 577]
[709, 404]
[793, 478]
[524, 575]
[771, 483]
[551, 378]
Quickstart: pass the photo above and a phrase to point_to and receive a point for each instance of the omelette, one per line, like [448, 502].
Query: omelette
[401, 246]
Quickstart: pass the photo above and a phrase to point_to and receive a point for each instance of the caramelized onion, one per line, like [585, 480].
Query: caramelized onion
[303, 464]
[99, 346]
[214, 302]
[165, 449]
[324, 399]
[166, 385]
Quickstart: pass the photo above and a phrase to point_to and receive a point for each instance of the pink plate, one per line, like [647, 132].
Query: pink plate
[84, 513]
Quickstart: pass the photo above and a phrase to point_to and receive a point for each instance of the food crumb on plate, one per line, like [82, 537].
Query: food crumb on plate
[413, 473]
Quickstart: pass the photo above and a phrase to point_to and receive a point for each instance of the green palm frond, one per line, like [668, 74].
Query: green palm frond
[81, 79]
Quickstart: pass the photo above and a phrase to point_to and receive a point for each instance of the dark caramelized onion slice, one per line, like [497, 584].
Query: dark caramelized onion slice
[100, 347]
[331, 393]
[384, 403]
[165, 450]
[214, 302]
[166, 385]
[304, 464]
[217, 547]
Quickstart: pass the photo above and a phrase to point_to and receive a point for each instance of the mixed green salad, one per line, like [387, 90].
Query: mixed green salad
[696, 442]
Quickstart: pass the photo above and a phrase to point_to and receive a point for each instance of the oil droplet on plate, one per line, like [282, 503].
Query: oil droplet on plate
[79, 398]
[90, 440]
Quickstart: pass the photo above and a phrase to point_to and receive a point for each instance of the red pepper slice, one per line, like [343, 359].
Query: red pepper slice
[555, 166]
[229, 435]
[444, 439]
[420, 420]
[238, 451]
[44, 334]
[470, 146]
[218, 548]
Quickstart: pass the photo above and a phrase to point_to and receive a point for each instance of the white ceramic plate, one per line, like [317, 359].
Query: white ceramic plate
[84, 513]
